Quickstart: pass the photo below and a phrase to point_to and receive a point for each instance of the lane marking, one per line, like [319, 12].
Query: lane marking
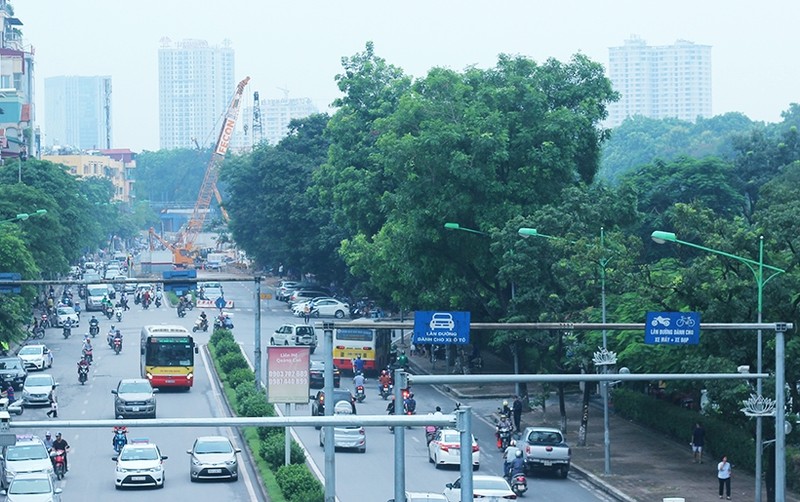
[216, 392]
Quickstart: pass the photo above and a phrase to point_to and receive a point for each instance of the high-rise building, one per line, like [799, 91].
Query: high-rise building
[77, 112]
[195, 85]
[275, 115]
[660, 81]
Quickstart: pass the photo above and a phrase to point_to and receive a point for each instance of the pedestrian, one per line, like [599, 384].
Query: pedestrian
[306, 312]
[724, 476]
[516, 410]
[51, 397]
[698, 440]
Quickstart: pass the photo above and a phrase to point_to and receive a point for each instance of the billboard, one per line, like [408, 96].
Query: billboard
[287, 374]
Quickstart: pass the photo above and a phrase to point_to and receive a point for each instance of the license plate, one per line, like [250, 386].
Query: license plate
[547, 462]
[215, 471]
[170, 381]
[135, 408]
[138, 478]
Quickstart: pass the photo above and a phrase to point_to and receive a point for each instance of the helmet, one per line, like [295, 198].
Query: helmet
[518, 454]
[513, 443]
[438, 408]
[505, 403]
[112, 327]
[47, 434]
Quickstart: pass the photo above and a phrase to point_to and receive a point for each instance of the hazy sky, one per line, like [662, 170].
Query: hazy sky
[298, 45]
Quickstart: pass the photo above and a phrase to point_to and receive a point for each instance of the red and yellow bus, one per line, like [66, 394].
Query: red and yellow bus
[372, 344]
[167, 356]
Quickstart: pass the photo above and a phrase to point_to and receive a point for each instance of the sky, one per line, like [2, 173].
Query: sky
[298, 45]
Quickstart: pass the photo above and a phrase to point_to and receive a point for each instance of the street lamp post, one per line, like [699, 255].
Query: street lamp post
[757, 268]
[603, 262]
[25, 216]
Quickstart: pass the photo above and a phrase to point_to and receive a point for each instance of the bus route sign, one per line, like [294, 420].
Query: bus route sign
[672, 328]
[441, 328]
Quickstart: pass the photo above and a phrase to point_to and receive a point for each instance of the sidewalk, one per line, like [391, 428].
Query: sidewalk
[645, 466]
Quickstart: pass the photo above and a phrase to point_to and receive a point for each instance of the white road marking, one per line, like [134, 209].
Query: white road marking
[218, 399]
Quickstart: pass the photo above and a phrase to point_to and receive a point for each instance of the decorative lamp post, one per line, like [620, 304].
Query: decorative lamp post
[757, 268]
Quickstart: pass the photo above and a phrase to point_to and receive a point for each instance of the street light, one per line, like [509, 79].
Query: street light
[456, 226]
[25, 216]
[603, 262]
[757, 267]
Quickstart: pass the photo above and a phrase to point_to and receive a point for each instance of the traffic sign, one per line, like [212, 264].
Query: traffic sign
[10, 288]
[672, 328]
[180, 288]
[441, 328]
[219, 302]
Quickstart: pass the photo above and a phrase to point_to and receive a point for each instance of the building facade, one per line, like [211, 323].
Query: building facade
[77, 112]
[18, 132]
[275, 115]
[195, 85]
[672, 81]
[117, 165]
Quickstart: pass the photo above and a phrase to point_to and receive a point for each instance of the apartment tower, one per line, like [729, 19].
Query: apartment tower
[77, 112]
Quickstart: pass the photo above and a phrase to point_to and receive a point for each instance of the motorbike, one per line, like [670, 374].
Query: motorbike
[386, 391]
[38, 332]
[108, 311]
[360, 395]
[200, 325]
[519, 484]
[59, 463]
[67, 331]
[94, 330]
[117, 345]
[158, 302]
[145, 303]
[223, 322]
[120, 438]
[87, 355]
[181, 311]
[83, 374]
[503, 434]
[118, 314]
[44, 322]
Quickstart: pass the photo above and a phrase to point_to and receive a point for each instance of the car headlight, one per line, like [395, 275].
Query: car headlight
[155, 469]
[196, 462]
[25, 392]
[230, 462]
[121, 469]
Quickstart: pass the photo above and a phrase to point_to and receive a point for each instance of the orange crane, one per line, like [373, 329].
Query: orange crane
[183, 247]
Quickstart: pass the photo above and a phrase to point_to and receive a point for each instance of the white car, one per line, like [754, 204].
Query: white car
[299, 308]
[442, 320]
[37, 388]
[28, 454]
[445, 449]
[295, 334]
[139, 464]
[63, 313]
[325, 307]
[36, 356]
[487, 488]
[33, 486]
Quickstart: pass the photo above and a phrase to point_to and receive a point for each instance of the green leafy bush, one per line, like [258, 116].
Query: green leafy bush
[230, 362]
[273, 450]
[227, 346]
[298, 484]
[245, 390]
[254, 406]
[220, 334]
[238, 376]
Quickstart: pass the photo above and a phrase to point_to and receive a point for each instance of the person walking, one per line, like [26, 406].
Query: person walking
[698, 440]
[724, 476]
[53, 411]
[306, 312]
[516, 411]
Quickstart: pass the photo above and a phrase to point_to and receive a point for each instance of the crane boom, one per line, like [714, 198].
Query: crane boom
[208, 188]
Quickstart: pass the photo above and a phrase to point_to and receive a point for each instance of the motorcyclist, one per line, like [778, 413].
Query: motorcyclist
[358, 365]
[119, 429]
[402, 360]
[61, 444]
[83, 368]
[203, 319]
[87, 347]
[517, 465]
[110, 335]
[385, 380]
[509, 455]
[358, 380]
[123, 301]
[106, 302]
[9, 393]
[117, 336]
[48, 441]
[159, 297]
[77, 307]
[94, 322]
[390, 406]
[410, 404]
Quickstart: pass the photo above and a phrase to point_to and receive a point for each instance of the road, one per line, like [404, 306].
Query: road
[91, 473]
[372, 472]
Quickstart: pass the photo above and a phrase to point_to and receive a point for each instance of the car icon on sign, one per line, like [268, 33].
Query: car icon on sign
[664, 321]
[442, 320]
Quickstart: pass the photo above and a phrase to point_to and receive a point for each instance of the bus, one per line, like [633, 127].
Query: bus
[167, 356]
[372, 344]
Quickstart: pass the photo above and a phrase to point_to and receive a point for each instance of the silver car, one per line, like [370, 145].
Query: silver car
[134, 397]
[348, 436]
[33, 487]
[37, 389]
[213, 457]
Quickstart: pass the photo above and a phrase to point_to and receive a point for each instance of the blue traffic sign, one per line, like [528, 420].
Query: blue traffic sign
[10, 288]
[180, 288]
[441, 328]
[672, 328]
[220, 303]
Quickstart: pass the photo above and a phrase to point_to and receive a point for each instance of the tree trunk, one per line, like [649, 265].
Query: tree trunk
[584, 415]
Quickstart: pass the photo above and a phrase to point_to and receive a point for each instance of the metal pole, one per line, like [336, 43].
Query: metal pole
[606, 432]
[759, 424]
[287, 445]
[464, 417]
[780, 417]
[257, 333]
[399, 440]
[330, 460]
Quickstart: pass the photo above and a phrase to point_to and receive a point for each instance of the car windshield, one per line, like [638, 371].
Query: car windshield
[138, 454]
[29, 486]
[66, 311]
[97, 291]
[30, 351]
[27, 452]
[304, 330]
[134, 388]
[490, 484]
[39, 381]
[217, 446]
[543, 437]
[9, 364]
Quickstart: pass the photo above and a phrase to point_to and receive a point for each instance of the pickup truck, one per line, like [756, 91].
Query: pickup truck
[545, 448]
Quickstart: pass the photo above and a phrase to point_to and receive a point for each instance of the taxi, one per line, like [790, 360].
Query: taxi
[140, 463]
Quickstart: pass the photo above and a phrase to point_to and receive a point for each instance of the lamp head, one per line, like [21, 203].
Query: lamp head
[527, 232]
[660, 237]
[452, 226]
[22, 216]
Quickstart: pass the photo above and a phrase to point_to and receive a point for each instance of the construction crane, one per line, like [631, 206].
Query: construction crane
[258, 130]
[186, 237]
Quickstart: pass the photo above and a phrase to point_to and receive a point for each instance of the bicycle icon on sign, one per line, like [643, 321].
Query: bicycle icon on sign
[685, 321]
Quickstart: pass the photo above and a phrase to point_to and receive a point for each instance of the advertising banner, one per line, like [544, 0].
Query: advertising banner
[287, 374]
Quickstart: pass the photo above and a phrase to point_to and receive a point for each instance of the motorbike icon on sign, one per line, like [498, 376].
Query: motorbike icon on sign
[664, 321]
[442, 320]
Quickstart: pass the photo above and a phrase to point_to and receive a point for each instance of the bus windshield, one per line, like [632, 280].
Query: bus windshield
[354, 334]
[176, 351]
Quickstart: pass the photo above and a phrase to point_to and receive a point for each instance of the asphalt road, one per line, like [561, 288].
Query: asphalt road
[91, 473]
[372, 472]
